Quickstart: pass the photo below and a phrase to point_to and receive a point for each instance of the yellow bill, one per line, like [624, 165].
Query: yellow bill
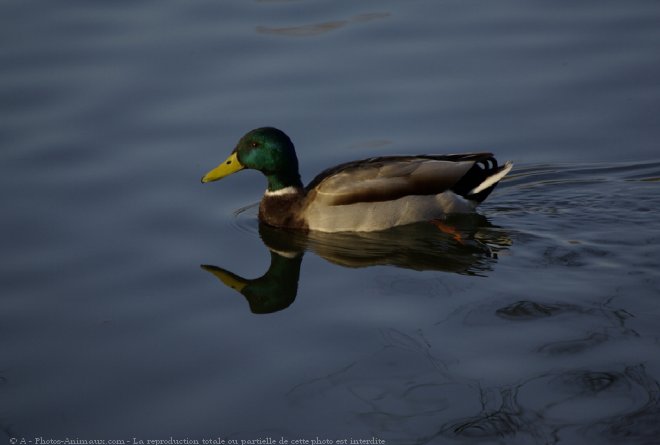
[231, 165]
[228, 278]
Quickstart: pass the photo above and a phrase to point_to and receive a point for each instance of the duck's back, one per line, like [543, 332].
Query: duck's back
[377, 193]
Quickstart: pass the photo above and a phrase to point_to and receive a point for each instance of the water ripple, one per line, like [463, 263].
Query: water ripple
[245, 219]
[536, 175]
[315, 29]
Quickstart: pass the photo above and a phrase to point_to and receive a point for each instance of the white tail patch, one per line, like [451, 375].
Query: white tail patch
[492, 180]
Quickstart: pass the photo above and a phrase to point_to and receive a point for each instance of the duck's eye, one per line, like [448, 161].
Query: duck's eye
[254, 144]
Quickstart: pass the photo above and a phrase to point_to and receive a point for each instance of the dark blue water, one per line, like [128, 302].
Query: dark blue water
[539, 326]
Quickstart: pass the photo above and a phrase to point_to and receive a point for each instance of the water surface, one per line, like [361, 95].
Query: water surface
[537, 325]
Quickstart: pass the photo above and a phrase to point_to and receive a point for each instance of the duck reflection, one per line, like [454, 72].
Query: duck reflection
[468, 246]
[273, 291]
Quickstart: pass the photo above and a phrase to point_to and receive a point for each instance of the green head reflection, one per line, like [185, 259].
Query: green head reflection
[273, 291]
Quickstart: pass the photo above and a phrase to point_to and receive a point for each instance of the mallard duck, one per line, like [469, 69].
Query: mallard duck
[367, 195]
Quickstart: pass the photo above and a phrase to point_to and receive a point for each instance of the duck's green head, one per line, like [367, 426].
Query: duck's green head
[266, 149]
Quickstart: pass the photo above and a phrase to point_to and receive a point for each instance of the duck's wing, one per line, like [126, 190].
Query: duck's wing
[472, 176]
